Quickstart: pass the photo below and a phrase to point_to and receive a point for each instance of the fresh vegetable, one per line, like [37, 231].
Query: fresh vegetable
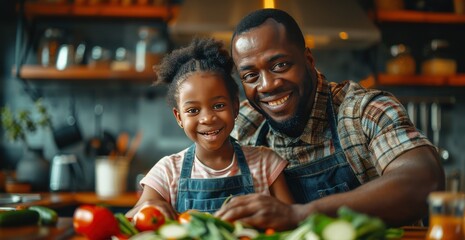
[95, 222]
[47, 215]
[18, 218]
[349, 225]
[206, 226]
[185, 217]
[173, 230]
[338, 230]
[125, 226]
[148, 218]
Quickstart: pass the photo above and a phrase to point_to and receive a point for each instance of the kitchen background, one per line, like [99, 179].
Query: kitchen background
[114, 105]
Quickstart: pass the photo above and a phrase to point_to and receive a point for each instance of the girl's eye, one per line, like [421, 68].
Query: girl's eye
[192, 110]
[281, 67]
[219, 106]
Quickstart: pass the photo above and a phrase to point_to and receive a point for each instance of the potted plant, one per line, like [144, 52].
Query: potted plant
[32, 167]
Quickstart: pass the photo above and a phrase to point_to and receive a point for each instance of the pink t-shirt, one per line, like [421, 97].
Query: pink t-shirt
[264, 164]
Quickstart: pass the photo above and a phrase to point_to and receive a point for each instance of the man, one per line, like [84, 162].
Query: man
[346, 145]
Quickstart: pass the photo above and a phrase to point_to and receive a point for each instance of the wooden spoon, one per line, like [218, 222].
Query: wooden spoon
[122, 143]
[134, 146]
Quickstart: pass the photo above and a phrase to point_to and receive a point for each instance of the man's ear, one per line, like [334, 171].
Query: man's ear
[309, 57]
[177, 115]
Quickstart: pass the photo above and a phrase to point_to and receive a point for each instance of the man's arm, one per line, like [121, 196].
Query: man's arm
[398, 196]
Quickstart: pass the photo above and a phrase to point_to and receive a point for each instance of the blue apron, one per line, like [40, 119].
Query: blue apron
[321, 177]
[207, 195]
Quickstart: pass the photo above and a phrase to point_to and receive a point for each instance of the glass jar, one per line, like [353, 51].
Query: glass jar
[438, 61]
[401, 61]
[446, 217]
[48, 47]
[150, 48]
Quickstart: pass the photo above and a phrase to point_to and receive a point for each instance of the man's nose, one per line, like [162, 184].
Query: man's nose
[268, 82]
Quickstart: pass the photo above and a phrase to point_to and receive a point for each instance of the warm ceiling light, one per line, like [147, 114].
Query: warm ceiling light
[343, 35]
[268, 3]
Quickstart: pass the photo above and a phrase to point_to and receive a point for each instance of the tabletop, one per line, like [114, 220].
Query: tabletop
[64, 230]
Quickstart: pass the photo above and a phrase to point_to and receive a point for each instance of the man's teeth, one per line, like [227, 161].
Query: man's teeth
[279, 101]
[211, 133]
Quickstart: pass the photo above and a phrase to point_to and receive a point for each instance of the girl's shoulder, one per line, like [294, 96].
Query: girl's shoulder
[173, 159]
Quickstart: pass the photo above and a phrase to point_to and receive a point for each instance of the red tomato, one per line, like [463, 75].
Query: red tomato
[95, 222]
[148, 218]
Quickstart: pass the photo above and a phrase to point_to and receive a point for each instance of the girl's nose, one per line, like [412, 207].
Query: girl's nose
[208, 117]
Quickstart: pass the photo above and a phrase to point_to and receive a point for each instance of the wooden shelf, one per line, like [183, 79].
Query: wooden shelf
[419, 17]
[83, 73]
[33, 9]
[414, 80]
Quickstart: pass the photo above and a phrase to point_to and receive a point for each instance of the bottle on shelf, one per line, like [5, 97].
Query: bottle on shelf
[438, 61]
[150, 48]
[401, 61]
[48, 47]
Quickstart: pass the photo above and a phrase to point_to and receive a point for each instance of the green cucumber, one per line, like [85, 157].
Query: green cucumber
[47, 215]
[18, 218]
[206, 217]
[173, 231]
[339, 230]
[125, 226]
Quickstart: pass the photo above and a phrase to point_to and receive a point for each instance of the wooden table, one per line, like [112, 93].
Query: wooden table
[64, 230]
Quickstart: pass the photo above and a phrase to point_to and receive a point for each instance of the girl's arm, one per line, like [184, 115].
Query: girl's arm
[151, 197]
[279, 190]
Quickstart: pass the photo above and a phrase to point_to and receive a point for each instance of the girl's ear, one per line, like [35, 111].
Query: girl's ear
[236, 108]
[177, 115]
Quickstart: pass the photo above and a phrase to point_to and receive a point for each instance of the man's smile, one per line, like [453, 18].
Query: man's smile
[279, 101]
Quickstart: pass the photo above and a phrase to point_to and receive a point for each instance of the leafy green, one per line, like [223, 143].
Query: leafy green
[18, 125]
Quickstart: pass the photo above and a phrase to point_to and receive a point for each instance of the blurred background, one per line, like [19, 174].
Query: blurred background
[90, 64]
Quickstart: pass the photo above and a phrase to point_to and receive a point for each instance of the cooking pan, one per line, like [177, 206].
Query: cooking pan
[69, 132]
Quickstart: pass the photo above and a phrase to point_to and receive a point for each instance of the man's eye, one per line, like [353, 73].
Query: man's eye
[280, 67]
[219, 106]
[250, 77]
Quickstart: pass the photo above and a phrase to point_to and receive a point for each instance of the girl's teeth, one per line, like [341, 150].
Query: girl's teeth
[279, 101]
[212, 132]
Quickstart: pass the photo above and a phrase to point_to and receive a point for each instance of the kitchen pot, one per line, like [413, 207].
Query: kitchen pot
[65, 173]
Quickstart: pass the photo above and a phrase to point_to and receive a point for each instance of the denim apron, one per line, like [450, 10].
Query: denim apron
[321, 177]
[207, 195]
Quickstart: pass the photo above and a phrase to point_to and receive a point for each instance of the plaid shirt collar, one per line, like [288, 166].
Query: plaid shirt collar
[317, 129]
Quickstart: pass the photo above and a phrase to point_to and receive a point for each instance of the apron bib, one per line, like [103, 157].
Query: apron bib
[207, 195]
[321, 177]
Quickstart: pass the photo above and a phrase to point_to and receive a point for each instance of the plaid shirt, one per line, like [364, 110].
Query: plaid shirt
[372, 125]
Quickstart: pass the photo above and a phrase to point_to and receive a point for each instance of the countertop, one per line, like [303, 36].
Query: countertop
[63, 199]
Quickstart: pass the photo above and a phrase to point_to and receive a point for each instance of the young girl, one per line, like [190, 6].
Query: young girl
[205, 104]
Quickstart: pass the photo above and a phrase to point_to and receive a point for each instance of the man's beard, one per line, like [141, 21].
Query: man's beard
[293, 126]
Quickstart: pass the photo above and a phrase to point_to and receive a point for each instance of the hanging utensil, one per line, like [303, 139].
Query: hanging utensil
[436, 128]
[424, 123]
[412, 112]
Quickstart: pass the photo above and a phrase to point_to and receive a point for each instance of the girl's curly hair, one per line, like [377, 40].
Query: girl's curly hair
[202, 54]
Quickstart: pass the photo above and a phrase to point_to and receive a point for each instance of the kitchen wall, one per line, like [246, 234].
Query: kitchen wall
[134, 107]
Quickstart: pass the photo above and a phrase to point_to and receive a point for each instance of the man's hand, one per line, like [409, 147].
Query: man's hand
[262, 211]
